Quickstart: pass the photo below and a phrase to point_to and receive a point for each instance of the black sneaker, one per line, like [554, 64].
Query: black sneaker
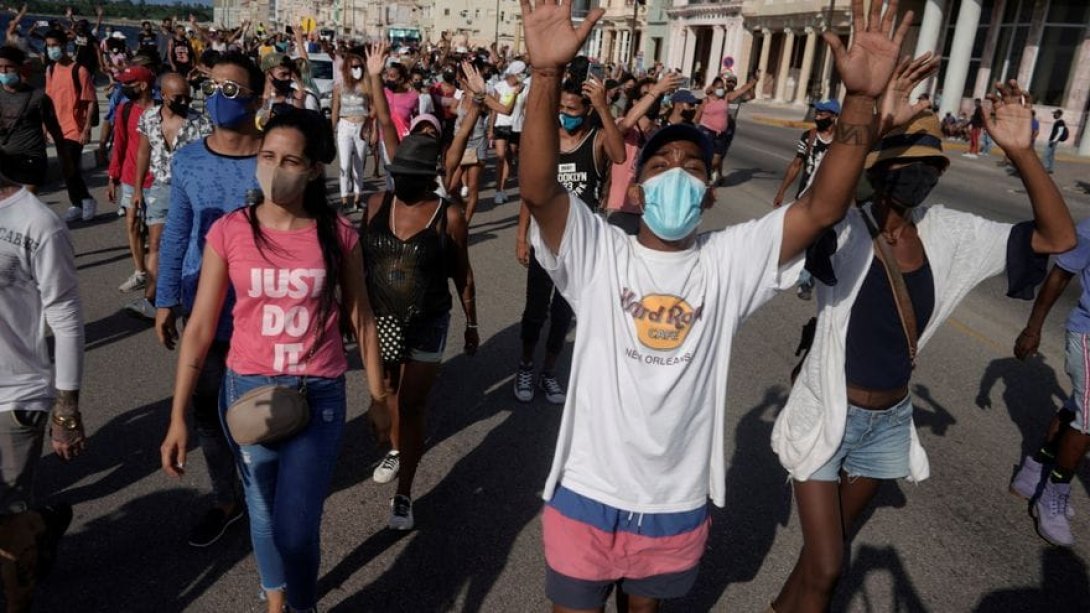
[57, 518]
[212, 526]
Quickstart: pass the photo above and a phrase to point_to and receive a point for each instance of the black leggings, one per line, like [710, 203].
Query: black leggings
[77, 188]
[543, 301]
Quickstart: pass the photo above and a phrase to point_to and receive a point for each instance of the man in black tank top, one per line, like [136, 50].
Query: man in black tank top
[588, 148]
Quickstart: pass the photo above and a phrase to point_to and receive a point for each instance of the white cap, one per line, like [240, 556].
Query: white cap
[516, 67]
[461, 50]
[118, 35]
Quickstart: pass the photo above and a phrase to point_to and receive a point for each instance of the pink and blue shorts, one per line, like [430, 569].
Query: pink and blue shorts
[591, 547]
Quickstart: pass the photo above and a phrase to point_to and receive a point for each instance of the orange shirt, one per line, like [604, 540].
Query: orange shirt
[71, 105]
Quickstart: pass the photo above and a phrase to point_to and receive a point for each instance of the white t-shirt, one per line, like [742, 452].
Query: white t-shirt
[643, 425]
[506, 95]
[39, 288]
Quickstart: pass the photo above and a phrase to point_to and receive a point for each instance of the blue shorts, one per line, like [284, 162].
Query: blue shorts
[156, 204]
[426, 340]
[875, 444]
[124, 200]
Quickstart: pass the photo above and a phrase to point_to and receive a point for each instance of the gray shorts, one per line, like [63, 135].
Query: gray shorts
[156, 204]
[22, 430]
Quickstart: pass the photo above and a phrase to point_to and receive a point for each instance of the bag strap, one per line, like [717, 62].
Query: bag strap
[901, 298]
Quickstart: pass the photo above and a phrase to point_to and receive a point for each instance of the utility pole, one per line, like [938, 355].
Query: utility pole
[632, 34]
[497, 38]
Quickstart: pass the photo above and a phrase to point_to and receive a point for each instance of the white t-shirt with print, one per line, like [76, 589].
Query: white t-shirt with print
[506, 95]
[643, 425]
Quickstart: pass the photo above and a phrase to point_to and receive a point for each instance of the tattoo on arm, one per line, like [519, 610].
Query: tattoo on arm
[854, 133]
[67, 402]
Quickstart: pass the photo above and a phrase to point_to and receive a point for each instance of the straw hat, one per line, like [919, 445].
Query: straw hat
[921, 138]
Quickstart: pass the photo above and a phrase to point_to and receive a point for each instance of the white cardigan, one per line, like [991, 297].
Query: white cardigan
[963, 250]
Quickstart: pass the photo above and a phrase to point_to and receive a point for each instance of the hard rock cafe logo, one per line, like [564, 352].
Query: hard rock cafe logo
[662, 321]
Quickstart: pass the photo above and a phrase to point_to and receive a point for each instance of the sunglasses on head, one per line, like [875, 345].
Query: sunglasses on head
[230, 89]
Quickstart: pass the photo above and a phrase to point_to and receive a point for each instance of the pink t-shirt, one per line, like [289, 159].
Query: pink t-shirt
[625, 173]
[716, 115]
[278, 294]
[403, 105]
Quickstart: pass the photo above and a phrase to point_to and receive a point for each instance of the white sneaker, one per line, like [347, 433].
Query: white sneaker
[136, 281]
[387, 469]
[971, 156]
[554, 394]
[524, 383]
[401, 513]
[90, 208]
[73, 214]
[501, 198]
[141, 307]
[465, 191]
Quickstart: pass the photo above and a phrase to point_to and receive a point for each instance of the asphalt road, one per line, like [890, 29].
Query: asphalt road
[956, 542]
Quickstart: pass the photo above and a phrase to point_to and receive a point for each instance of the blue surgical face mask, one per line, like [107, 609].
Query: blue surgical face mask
[54, 53]
[228, 112]
[672, 204]
[570, 123]
[9, 78]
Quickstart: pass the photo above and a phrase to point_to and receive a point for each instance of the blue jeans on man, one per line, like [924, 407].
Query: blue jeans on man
[1050, 156]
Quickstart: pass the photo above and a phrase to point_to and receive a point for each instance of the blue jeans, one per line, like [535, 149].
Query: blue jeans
[1050, 156]
[285, 529]
[875, 444]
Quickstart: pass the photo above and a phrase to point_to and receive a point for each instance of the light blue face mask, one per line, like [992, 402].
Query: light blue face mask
[570, 122]
[672, 204]
[9, 79]
[54, 53]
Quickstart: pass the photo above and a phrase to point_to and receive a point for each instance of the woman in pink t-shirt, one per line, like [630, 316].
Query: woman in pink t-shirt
[714, 118]
[286, 259]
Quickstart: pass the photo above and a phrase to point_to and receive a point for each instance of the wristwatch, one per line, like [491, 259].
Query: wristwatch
[67, 422]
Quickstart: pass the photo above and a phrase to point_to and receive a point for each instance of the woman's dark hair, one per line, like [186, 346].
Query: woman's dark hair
[13, 54]
[57, 35]
[402, 72]
[318, 148]
[255, 76]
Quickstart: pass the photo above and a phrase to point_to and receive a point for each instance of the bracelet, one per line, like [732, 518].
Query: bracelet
[470, 326]
[546, 72]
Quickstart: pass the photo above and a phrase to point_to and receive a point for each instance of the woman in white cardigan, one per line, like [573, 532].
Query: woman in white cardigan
[848, 425]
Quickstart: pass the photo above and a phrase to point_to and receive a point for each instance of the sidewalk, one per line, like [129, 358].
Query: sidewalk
[786, 115]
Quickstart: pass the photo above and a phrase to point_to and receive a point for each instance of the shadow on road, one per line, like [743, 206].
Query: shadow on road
[1064, 587]
[928, 413]
[868, 560]
[116, 326]
[738, 176]
[478, 509]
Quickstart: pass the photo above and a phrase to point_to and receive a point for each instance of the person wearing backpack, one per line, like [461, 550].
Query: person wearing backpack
[136, 82]
[813, 144]
[72, 92]
[1059, 135]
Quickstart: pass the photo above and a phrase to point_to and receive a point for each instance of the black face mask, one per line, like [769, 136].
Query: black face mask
[391, 85]
[282, 86]
[688, 115]
[411, 189]
[909, 186]
[131, 92]
[179, 106]
[824, 124]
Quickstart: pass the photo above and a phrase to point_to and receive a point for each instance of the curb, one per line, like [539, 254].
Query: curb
[781, 123]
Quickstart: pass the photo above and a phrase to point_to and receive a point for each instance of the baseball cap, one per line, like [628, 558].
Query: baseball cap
[272, 60]
[828, 106]
[921, 138]
[516, 67]
[135, 74]
[425, 118]
[118, 34]
[673, 133]
[684, 96]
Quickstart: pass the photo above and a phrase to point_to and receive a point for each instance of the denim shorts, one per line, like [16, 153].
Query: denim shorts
[1076, 364]
[124, 200]
[875, 444]
[426, 340]
[156, 204]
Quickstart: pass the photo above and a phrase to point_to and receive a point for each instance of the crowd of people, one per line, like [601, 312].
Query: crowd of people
[215, 143]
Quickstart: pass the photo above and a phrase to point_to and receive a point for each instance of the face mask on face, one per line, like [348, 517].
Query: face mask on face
[720, 92]
[824, 124]
[228, 112]
[54, 53]
[357, 73]
[282, 86]
[570, 123]
[132, 92]
[279, 185]
[909, 186]
[9, 78]
[688, 115]
[671, 204]
[391, 85]
[179, 106]
[412, 189]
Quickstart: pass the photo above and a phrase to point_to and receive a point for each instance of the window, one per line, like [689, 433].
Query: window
[1060, 39]
[446, 12]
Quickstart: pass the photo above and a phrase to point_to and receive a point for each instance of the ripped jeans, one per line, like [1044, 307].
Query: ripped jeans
[286, 484]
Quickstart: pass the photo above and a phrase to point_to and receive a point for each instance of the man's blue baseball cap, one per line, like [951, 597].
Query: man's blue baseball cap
[829, 106]
[684, 96]
[676, 132]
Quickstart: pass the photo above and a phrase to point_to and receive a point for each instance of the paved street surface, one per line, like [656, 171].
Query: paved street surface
[956, 542]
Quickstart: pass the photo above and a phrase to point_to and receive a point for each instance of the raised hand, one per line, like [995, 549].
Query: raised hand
[867, 65]
[376, 58]
[473, 80]
[551, 39]
[895, 109]
[595, 91]
[1012, 126]
[668, 83]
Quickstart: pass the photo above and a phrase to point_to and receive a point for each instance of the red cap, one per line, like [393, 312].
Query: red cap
[135, 74]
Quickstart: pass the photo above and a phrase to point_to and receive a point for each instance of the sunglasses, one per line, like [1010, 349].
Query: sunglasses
[230, 89]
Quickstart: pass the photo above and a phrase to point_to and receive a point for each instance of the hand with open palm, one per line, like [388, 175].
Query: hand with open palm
[551, 39]
[895, 109]
[1012, 125]
[867, 65]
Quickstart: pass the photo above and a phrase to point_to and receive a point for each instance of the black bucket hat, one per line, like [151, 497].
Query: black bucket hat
[417, 155]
